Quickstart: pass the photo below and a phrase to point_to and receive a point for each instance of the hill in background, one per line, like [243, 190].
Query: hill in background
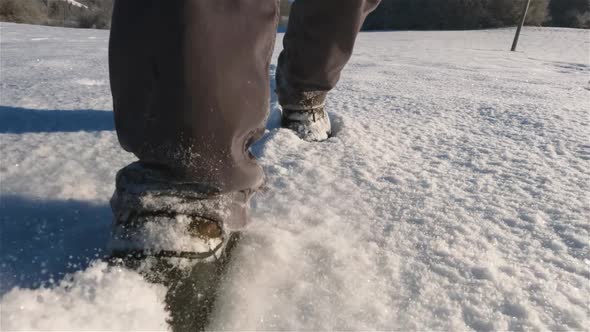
[72, 13]
[391, 14]
[68, 13]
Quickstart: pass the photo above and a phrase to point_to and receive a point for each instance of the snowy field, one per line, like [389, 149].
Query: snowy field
[454, 195]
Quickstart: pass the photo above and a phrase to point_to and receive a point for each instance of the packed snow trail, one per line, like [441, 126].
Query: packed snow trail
[453, 196]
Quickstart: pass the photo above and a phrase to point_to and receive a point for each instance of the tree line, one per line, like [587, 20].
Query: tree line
[390, 15]
[476, 14]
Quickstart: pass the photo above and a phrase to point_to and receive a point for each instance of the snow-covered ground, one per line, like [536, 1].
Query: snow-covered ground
[454, 195]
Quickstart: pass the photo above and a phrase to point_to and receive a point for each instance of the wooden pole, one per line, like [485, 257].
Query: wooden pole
[526, 9]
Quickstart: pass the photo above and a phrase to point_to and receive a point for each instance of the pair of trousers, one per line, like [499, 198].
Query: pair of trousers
[190, 78]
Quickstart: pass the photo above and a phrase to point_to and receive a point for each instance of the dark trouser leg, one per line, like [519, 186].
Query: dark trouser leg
[319, 42]
[190, 86]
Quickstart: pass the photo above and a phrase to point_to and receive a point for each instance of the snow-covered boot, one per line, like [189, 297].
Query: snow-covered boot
[303, 111]
[310, 125]
[156, 215]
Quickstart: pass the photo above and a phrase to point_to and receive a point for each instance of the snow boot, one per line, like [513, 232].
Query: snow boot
[310, 125]
[303, 111]
[156, 215]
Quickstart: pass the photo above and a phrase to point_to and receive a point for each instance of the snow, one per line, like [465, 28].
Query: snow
[162, 234]
[76, 3]
[453, 196]
[95, 299]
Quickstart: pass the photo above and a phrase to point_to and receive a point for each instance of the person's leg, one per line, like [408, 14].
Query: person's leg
[190, 87]
[319, 42]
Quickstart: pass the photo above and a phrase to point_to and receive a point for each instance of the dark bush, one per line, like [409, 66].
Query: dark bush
[453, 14]
[94, 20]
[98, 15]
[61, 13]
[582, 20]
[570, 13]
[22, 11]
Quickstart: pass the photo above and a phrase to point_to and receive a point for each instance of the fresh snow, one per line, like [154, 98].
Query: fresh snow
[454, 195]
[96, 299]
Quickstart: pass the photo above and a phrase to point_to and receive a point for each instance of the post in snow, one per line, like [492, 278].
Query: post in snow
[526, 9]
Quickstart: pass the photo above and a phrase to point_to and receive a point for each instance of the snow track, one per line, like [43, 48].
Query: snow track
[453, 196]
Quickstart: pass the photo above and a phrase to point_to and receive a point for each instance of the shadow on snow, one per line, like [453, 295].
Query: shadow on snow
[42, 240]
[15, 120]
